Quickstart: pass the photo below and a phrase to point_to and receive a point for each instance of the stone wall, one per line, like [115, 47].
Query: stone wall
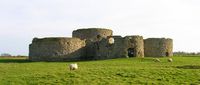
[158, 47]
[91, 36]
[56, 49]
[95, 43]
[137, 43]
[91, 33]
[104, 50]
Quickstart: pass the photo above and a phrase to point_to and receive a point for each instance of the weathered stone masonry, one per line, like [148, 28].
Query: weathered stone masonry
[157, 47]
[129, 46]
[56, 49]
[92, 33]
[94, 44]
[92, 36]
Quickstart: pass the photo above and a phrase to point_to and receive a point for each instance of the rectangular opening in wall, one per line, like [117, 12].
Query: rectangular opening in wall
[167, 54]
[131, 52]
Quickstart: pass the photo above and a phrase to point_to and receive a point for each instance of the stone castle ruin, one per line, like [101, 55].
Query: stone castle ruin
[96, 44]
[158, 47]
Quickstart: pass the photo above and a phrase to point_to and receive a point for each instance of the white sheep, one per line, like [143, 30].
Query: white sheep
[111, 40]
[156, 60]
[73, 66]
[170, 59]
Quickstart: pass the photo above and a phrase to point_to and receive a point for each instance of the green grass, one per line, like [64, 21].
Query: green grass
[125, 71]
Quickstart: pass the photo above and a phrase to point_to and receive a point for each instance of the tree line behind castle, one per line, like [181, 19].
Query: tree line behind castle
[96, 44]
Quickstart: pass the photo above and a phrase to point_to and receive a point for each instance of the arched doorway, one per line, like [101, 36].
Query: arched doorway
[167, 54]
[131, 52]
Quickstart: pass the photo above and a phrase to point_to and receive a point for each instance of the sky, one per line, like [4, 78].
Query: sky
[22, 20]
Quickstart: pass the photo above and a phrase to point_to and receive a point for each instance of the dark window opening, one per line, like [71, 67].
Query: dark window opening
[167, 53]
[131, 52]
[98, 36]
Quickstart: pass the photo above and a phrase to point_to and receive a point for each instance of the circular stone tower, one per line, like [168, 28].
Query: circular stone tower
[56, 49]
[134, 46]
[158, 47]
[92, 33]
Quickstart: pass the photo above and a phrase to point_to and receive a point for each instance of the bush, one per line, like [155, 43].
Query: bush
[6, 54]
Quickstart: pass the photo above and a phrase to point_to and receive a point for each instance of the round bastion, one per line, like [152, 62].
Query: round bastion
[56, 49]
[158, 47]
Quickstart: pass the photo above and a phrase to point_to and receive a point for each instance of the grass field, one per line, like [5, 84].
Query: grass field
[125, 71]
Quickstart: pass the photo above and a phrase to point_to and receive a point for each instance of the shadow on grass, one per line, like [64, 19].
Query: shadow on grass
[7, 60]
[23, 60]
[189, 67]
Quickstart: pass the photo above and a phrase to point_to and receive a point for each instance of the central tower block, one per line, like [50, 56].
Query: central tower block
[92, 33]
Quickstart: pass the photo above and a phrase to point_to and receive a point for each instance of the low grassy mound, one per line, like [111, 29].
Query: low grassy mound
[125, 71]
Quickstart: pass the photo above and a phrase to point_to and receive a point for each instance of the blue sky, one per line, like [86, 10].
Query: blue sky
[22, 20]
